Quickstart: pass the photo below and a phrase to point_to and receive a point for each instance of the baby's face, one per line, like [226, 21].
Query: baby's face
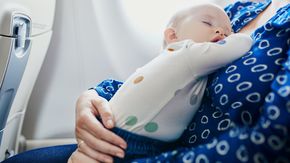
[208, 24]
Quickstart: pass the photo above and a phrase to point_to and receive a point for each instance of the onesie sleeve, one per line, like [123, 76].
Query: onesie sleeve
[205, 58]
[266, 141]
[108, 88]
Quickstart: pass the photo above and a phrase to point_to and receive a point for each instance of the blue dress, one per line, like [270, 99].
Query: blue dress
[245, 113]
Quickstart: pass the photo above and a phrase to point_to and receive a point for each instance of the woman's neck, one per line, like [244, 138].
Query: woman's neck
[276, 4]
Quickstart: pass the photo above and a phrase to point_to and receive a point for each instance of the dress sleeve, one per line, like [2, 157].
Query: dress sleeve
[108, 88]
[267, 140]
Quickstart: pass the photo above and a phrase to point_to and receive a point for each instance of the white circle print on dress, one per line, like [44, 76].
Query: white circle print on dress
[188, 157]
[201, 158]
[275, 142]
[222, 147]
[236, 104]
[264, 44]
[205, 134]
[242, 154]
[224, 124]
[284, 91]
[246, 117]
[257, 137]
[234, 77]
[266, 77]
[244, 86]
[259, 68]
[231, 68]
[281, 79]
[268, 26]
[270, 97]
[218, 88]
[273, 112]
[192, 126]
[192, 139]
[253, 97]
[249, 61]
[204, 120]
[224, 99]
[274, 51]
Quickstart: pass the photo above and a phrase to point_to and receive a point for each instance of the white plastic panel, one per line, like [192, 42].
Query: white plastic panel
[39, 11]
[8, 146]
[37, 54]
[5, 44]
[18, 108]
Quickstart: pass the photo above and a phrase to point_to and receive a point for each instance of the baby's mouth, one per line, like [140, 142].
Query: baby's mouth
[216, 39]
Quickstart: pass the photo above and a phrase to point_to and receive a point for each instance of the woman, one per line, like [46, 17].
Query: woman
[243, 117]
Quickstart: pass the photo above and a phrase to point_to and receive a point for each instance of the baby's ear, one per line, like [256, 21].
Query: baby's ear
[170, 35]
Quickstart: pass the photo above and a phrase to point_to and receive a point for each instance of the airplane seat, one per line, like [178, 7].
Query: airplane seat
[25, 32]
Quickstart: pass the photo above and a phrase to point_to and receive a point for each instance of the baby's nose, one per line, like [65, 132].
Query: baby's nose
[220, 31]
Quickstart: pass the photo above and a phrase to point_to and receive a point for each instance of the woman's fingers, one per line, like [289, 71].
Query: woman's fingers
[104, 111]
[84, 148]
[93, 126]
[101, 145]
[79, 157]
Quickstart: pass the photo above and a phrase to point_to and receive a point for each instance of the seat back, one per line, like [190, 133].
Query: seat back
[25, 32]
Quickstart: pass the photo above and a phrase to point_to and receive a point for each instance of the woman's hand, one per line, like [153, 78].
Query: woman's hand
[93, 138]
[79, 157]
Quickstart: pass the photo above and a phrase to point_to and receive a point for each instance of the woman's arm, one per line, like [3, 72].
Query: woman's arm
[267, 141]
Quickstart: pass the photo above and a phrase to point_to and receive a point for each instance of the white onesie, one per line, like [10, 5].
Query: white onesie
[160, 98]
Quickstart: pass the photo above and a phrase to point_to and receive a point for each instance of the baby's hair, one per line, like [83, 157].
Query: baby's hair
[180, 15]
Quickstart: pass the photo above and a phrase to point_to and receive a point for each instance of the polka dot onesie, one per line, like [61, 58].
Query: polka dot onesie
[152, 99]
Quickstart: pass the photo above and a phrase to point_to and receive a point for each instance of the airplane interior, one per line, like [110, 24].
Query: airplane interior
[51, 51]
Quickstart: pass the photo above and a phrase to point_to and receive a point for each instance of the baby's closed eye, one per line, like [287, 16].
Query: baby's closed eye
[207, 23]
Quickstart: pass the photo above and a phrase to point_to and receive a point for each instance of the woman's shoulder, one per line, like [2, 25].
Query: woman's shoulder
[242, 12]
[235, 9]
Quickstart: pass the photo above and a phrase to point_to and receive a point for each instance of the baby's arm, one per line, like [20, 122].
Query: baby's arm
[207, 57]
